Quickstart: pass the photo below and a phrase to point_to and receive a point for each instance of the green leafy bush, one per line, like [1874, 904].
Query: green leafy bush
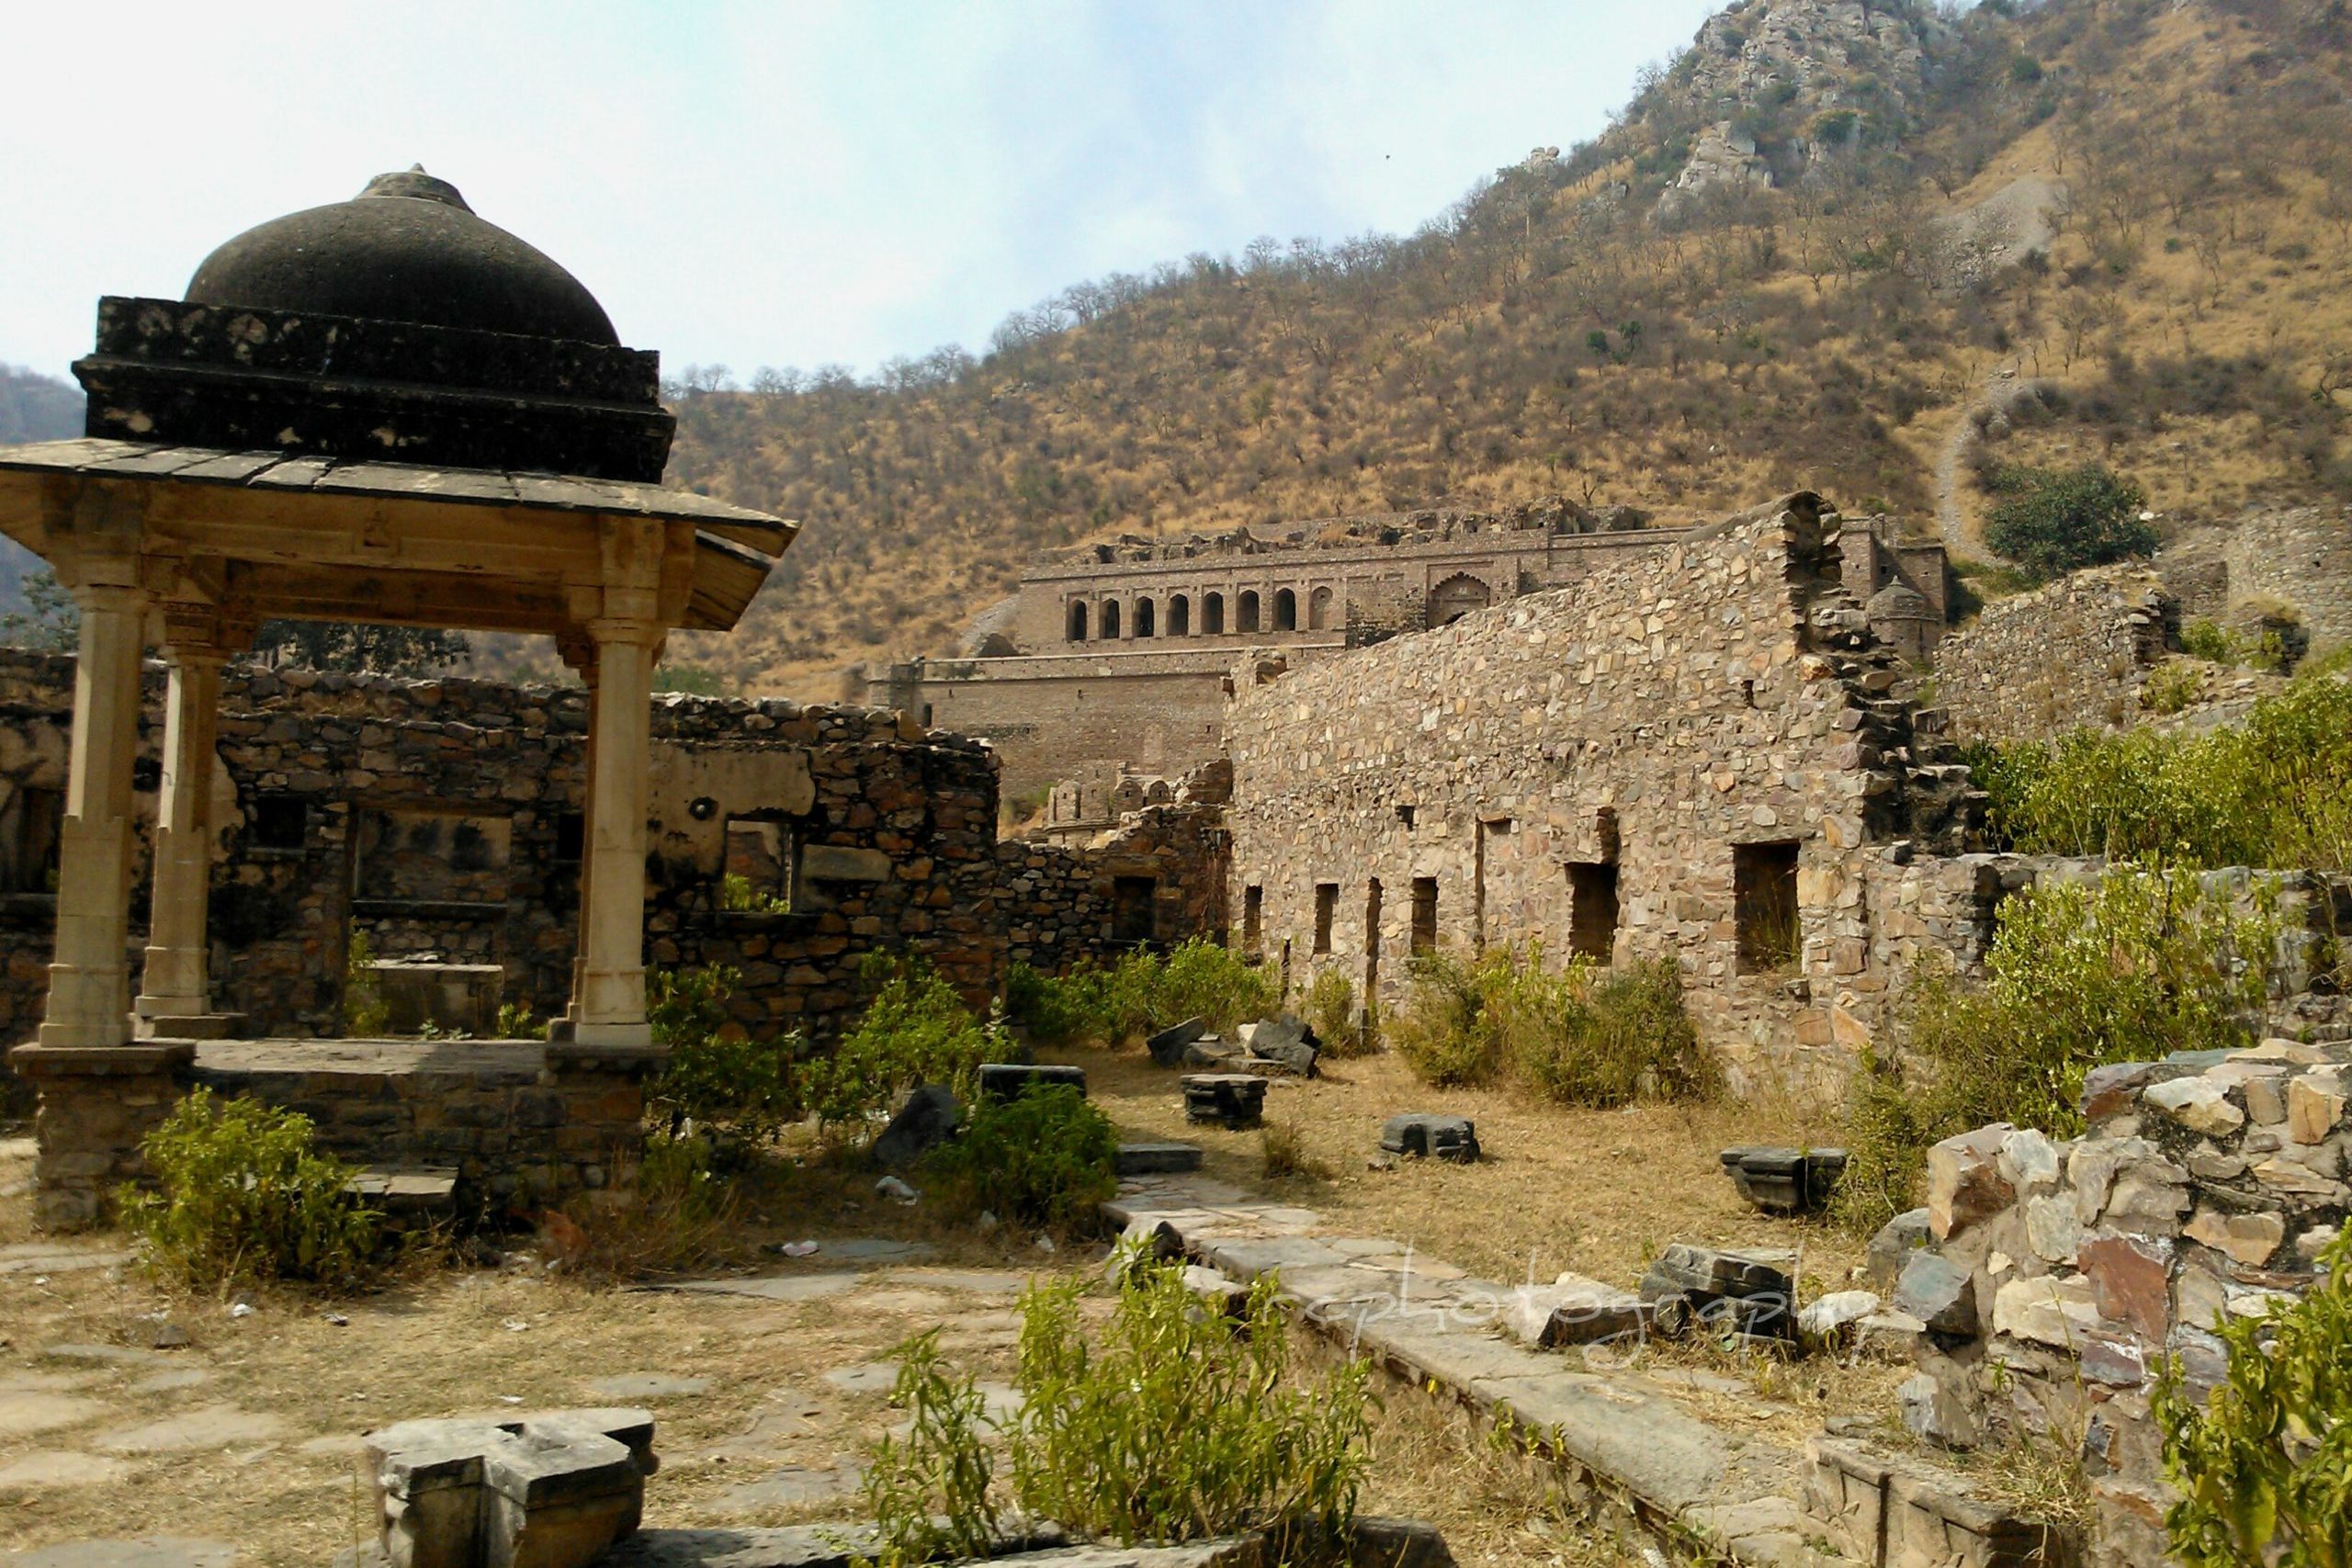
[743, 1090]
[1579, 1035]
[1140, 993]
[243, 1195]
[915, 1030]
[2171, 686]
[1045, 1158]
[2053, 521]
[2204, 638]
[1178, 1425]
[2127, 968]
[2264, 1464]
[1331, 1012]
[2275, 790]
[683, 1005]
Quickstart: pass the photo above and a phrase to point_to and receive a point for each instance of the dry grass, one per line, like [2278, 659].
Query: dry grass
[1597, 1191]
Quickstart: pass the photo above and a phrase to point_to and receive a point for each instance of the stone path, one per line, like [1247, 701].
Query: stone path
[1429, 1322]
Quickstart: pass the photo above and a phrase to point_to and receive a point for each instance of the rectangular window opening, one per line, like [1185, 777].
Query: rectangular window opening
[571, 837]
[1592, 909]
[1425, 914]
[1253, 918]
[1131, 908]
[1764, 906]
[278, 822]
[1326, 905]
[756, 876]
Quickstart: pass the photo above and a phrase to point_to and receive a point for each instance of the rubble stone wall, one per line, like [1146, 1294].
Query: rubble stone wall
[2299, 557]
[2061, 1273]
[1707, 726]
[2071, 654]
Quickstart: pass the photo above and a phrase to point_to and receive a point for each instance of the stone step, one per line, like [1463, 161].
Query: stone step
[1159, 1159]
[1884, 1510]
[408, 1197]
[194, 1026]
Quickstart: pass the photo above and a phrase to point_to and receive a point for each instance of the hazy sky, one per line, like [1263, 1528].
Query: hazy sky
[782, 183]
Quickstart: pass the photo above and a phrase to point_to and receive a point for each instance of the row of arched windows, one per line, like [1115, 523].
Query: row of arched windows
[1251, 613]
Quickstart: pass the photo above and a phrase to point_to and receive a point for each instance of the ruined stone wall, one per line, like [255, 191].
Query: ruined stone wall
[444, 816]
[2071, 654]
[2298, 558]
[1664, 761]
[2061, 1273]
[1159, 877]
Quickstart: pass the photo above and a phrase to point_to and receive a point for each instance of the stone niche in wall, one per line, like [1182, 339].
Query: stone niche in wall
[410, 857]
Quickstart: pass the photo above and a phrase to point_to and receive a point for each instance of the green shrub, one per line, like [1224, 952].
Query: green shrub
[1331, 1012]
[1179, 1424]
[365, 1016]
[1201, 979]
[1579, 1036]
[2275, 790]
[2264, 1465]
[2171, 686]
[688, 1006]
[915, 1030]
[2123, 969]
[2204, 638]
[2053, 521]
[747, 1089]
[1140, 993]
[242, 1195]
[1442, 1029]
[1045, 1158]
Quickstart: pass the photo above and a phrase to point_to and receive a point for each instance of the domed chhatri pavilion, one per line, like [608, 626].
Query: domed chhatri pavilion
[385, 410]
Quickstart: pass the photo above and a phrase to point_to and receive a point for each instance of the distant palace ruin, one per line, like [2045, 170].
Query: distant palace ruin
[1114, 657]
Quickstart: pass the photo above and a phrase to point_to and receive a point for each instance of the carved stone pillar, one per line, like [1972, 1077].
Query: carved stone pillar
[175, 990]
[89, 981]
[612, 987]
[582, 657]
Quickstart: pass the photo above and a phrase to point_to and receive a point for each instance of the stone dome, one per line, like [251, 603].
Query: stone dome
[406, 249]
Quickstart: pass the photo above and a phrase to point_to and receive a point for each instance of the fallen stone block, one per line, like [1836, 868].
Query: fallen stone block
[1010, 1081]
[928, 1119]
[1211, 1050]
[1964, 1180]
[1235, 1100]
[1286, 1042]
[1167, 1047]
[1748, 1292]
[1572, 1310]
[549, 1490]
[1420, 1134]
[1784, 1180]
[1828, 1323]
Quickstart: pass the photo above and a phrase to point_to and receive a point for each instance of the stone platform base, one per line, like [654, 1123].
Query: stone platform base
[525, 1125]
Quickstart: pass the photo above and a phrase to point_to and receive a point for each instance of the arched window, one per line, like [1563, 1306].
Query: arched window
[1110, 620]
[1457, 597]
[1318, 609]
[1145, 617]
[1180, 615]
[1213, 613]
[1285, 610]
[1245, 612]
[1078, 620]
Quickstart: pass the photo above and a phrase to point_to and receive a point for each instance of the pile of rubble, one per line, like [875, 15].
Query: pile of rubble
[1273, 1047]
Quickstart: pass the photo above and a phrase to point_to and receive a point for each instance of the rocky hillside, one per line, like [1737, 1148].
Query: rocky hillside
[33, 407]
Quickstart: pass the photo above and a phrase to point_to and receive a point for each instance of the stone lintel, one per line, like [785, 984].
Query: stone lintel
[35, 1061]
[588, 1057]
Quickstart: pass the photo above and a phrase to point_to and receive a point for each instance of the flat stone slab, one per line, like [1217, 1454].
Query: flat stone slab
[24, 1414]
[147, 1552]
[770, 1286]
[628, 1386]
[59, 1467]
[49, 1257]
[873, 1250]
[973, 1281]
[869, 1376]
[796, 1484]
[195, 1431]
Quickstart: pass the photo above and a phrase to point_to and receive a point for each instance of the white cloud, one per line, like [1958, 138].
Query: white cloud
[783, 183]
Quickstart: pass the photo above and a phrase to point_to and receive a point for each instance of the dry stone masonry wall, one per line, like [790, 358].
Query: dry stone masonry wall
[2073, 653]
[1695, 754]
